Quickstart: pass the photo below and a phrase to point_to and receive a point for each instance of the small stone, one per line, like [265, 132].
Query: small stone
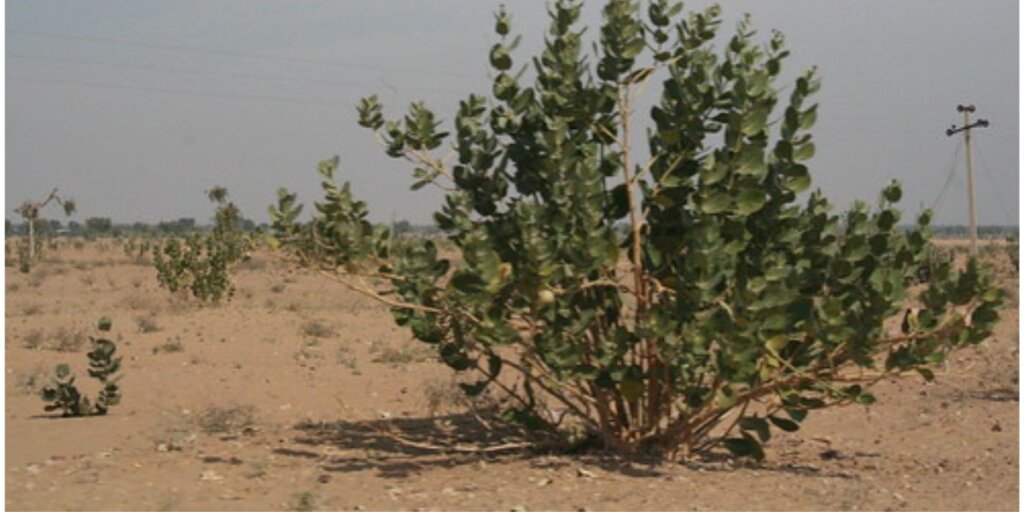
[997, 427]
[584, 473]
[518, 508]
[210, 476]
[323, 478]
[163, 447]
[544, 482]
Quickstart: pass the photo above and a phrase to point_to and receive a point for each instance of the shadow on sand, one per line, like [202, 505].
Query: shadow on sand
[373, 445]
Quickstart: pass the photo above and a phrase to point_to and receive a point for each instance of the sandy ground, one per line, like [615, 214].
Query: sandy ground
[263, 403]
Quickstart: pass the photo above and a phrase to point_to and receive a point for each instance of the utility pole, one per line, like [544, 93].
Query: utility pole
[966, 128]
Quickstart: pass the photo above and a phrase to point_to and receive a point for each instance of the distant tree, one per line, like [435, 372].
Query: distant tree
[98, 225]
[75, 228]
[30, 212]
[402, 227]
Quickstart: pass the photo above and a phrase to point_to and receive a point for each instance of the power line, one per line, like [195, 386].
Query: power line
[991, 182]
[949, 176]
[193, 71]
[227, 53]
[168, 90]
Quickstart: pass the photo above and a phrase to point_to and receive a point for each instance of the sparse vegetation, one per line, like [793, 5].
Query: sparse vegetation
[226, 420]
[147, 323]
[305, 501]
[67, 339]
[34, 339]
[169, 347]
[406, 354]
[345, 358]
[310, 350]
[317, 329]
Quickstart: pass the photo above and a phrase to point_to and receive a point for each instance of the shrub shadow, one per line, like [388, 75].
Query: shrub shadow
[376, 450]
[372, 445]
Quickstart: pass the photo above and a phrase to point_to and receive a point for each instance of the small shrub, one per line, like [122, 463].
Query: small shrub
[147, 323]
[34, 339]
[226, 420]
[309, 350]
[400, 356]
[345, 358]
[32, 309]
[169, 347]
[13, 287]
[317, 329]
[67, 339]
[62, 394]
[37, 278]
[303, 502]
[32, 383]
[277, 288]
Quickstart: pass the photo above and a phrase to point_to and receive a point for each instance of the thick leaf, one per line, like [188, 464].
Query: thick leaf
[750, 200]
[716, 202]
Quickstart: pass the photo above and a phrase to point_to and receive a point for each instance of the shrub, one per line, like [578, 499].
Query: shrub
[200, 263]
[63, 395]
[317, 329]
[147, 323]
[740, 309]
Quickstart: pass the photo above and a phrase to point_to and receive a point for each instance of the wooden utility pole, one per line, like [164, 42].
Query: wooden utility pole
[966, 128]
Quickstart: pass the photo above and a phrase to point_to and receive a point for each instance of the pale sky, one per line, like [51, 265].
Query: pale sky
[135, 108]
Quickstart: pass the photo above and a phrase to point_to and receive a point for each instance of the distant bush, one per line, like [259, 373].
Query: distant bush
[201, 262]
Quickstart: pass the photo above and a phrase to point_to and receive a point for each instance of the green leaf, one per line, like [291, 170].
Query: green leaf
[808, 117]
[893, 192]
[755, 122]
[804, 152]
[751, 161]
[796, 180]
[750, 200]
[500, 58]
[715, 202]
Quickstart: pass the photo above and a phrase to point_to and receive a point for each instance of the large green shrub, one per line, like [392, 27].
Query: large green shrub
[731, 303]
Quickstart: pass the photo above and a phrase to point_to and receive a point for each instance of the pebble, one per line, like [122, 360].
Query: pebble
[210, 475]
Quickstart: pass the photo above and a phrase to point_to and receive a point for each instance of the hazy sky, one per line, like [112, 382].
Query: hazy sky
[135, 108]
